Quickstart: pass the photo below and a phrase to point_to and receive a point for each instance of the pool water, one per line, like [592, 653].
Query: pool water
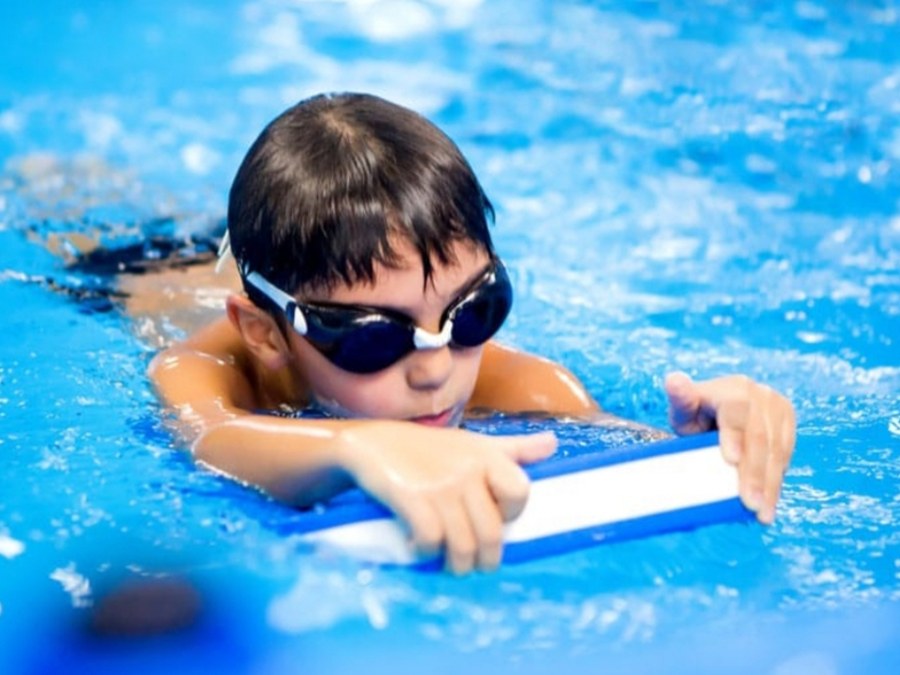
[710, 186]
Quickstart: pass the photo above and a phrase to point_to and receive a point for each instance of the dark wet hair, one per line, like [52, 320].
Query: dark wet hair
[333, 183]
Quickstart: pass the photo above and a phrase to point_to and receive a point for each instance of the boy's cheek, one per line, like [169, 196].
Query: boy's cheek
[386, 394]
[347, 395]
[338, 392]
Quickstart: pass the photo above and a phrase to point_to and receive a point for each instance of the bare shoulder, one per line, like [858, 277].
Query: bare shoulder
[210, 372]
[511, 380]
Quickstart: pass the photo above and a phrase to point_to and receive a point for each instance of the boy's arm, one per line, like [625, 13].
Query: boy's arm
[756, 425]
[453, 488]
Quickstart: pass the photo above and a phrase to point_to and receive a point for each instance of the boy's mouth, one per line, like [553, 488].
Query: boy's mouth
[441, 419]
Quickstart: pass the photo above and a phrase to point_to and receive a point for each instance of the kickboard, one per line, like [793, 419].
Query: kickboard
[610, 495]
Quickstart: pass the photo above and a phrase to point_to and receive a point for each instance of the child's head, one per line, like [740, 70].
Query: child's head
[362, 225]
[335, 183]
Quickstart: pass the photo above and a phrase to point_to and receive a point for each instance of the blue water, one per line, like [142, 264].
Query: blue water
[711, 186]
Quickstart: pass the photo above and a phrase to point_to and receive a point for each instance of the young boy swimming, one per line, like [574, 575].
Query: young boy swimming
[372, 293]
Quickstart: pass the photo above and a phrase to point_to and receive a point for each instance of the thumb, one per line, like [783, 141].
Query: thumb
[685, 405]
[508, 482]
[528, 448]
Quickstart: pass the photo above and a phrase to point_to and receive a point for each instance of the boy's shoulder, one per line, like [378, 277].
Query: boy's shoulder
[515, 381]
[211, 367]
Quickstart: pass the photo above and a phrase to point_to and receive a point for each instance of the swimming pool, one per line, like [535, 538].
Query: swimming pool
[714, 190]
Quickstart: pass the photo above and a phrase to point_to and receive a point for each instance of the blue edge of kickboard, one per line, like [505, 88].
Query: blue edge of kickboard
[355, 506]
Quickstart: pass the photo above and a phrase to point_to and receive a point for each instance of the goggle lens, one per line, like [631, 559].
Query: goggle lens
[370, 347]
[376, 342]
[480, 315]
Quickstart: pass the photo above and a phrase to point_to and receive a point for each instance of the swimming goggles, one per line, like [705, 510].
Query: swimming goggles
[362, 339]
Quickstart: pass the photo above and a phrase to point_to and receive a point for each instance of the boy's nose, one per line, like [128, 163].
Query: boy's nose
[429, 368]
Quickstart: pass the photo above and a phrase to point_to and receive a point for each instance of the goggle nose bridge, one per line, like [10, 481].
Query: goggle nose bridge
[423, 339]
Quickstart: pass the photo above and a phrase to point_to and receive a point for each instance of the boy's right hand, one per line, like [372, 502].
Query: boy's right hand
[453, 488]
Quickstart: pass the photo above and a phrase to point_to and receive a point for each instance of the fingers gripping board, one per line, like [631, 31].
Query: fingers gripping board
[575, 502]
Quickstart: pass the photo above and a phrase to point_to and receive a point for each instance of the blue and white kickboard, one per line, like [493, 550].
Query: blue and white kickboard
[575, 502]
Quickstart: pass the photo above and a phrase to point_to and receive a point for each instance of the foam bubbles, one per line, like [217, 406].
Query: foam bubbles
[9, 547]
[75, 584]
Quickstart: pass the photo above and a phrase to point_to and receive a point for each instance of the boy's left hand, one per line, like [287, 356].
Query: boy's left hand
[756, 426]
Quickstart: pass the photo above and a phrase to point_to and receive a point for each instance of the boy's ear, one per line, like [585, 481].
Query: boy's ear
[259, 331]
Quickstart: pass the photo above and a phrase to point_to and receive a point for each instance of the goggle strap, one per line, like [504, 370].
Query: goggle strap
[280, 298]
[422, 339]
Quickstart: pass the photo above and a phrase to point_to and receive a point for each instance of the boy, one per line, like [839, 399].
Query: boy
[372, 291]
